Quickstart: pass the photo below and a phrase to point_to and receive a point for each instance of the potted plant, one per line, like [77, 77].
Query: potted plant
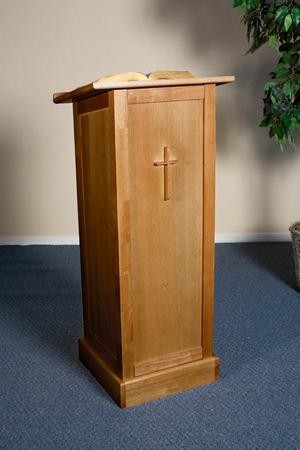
[277, 23]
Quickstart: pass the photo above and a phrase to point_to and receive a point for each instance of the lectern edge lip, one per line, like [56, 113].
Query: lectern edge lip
[92, 88]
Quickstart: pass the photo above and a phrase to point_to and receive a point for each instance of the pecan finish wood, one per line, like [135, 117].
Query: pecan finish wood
[145, 167]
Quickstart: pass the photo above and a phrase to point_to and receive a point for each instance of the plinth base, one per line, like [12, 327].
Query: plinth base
[151, 386]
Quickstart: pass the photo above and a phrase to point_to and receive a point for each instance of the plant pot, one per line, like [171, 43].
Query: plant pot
[295, 233]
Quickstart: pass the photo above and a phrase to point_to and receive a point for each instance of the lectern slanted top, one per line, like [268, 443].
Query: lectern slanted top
[145, 165]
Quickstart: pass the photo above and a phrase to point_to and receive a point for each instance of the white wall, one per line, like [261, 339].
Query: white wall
[58, 45]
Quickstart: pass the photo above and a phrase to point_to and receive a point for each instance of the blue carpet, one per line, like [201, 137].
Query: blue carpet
[50, 401]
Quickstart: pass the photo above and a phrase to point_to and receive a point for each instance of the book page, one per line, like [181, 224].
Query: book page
[125, 76]
[169, 74]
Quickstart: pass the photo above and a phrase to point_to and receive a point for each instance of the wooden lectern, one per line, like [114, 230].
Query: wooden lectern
[145, 162]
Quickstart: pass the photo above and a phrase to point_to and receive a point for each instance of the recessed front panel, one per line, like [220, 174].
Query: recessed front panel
[166, 192]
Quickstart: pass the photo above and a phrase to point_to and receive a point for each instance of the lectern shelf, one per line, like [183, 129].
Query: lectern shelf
[145, 161]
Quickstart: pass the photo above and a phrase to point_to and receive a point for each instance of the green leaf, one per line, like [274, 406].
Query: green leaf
[272, 132]
[279, 131]
[272, 41]
[288, 89]
[287, 120]
[265, 122]
[290, 58]
[250, 3]
[281, 71]
[296, 15]
[281, 13]
[273, 99]
[238, 3]
[269, 85]
[288, 22]
[294, 124]
[277, 23]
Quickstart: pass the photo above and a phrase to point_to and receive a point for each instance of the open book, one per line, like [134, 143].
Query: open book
[157, 75]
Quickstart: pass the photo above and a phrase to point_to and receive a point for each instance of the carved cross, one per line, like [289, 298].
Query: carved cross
[166, 163]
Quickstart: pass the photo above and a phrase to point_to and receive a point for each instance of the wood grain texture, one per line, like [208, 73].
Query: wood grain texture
[101, 232]
[165, 94]
[83, 229]
[119, 102]
[100, 370]
[166, 249]
[163, 83]
[92, 88]
[151, 386]
[173, 359]
[147, 237]
[165, 164]
[93, 103]
[209, 218]
[78, 93]
[170, 381]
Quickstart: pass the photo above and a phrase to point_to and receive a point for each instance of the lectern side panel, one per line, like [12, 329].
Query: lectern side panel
[118, 99]
[209, 218]
[166, 202]
[100, 217]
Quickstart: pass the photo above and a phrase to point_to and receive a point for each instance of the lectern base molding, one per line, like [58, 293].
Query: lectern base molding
[151, 386]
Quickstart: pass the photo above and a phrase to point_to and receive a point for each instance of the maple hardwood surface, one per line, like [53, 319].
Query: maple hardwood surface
[166, 94]
[209, 218]
[170, 381]
[120, 113]
[173, 359]
[145, 170]
[166, 247]
[98, 86]
[152, 386]
[99, 211]
[93, 103]
[103, 372]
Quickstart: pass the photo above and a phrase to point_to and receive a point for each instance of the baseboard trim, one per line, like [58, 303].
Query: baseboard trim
[252, 237]
[39, 240]
[74, 240]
